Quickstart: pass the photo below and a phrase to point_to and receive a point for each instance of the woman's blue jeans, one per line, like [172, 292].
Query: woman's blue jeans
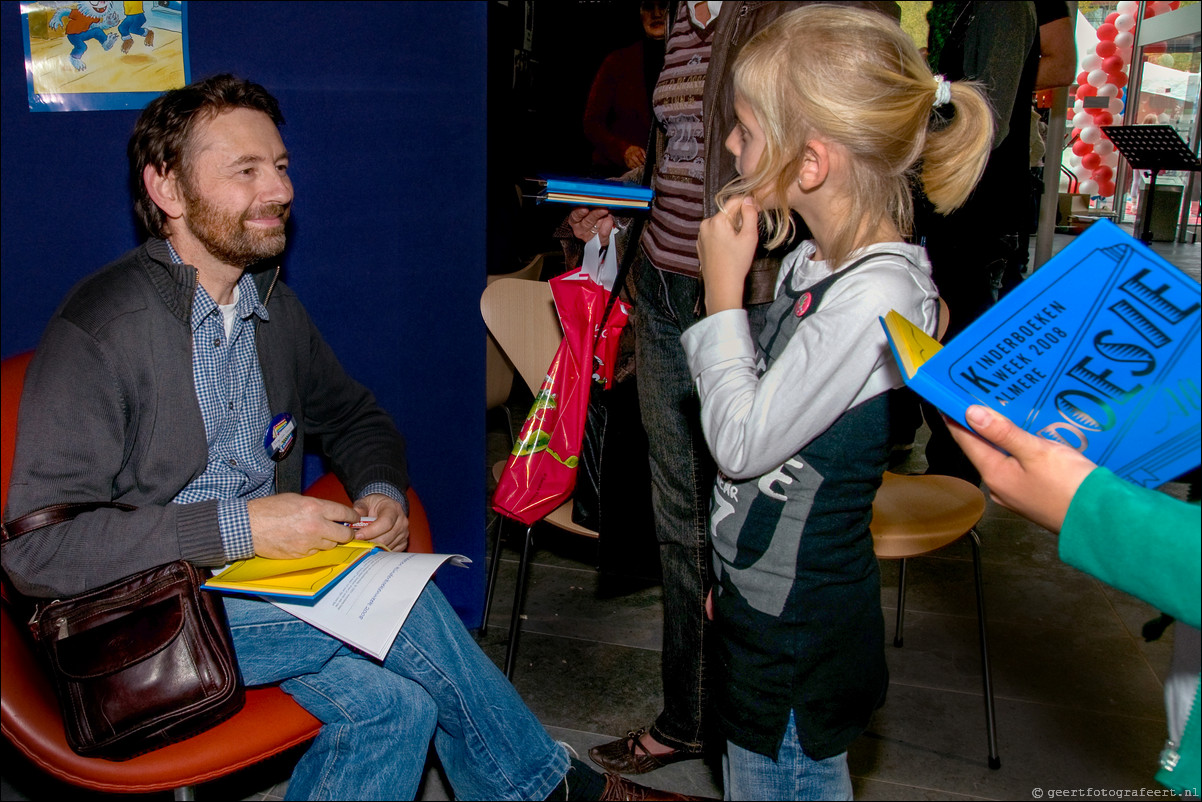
[379, 719]
[793, 775]
[682, 476]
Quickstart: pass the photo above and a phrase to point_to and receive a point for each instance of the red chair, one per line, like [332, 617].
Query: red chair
[269, 723]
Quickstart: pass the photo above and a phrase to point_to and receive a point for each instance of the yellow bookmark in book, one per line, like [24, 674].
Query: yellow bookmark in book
[911, 345]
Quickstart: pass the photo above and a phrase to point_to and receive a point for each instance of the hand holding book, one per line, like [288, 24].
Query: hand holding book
[1033, 476]
[588, 224]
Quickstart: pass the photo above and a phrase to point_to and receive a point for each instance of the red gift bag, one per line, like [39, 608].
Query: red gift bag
[541, 471]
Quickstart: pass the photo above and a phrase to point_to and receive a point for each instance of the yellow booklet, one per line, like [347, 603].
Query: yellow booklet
[299, 579]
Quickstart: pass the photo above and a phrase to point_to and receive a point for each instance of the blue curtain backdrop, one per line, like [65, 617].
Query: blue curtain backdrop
[385, 110]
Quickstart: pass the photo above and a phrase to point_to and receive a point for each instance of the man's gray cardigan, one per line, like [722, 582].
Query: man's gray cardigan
[110, 413]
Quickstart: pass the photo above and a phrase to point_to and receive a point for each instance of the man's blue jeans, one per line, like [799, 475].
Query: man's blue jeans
[793, 775]
[379, 718]
[682, 476]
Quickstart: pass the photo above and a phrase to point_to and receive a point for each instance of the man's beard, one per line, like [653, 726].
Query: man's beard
[225, 235]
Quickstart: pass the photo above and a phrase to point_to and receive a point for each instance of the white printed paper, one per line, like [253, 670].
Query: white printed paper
[367, 608]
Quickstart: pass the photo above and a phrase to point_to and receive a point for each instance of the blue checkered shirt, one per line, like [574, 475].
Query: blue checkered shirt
[233, 406]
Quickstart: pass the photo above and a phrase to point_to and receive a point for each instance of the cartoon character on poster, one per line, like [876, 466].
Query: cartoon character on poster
[72, 61]
[87, 21]
[135, 22]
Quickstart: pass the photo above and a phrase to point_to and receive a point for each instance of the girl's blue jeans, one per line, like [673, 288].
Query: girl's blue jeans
[379, 718]
[793, 775]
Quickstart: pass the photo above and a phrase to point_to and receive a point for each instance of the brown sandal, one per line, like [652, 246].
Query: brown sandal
[627, 755]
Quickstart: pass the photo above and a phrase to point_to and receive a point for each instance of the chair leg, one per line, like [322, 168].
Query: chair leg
[508, 421]
[185, 793]
[995, 762]
[901, 603]
[493, 569]
[515, 621]
[509, 424]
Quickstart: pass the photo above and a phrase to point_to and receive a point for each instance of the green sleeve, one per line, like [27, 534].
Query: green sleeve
[1138, 540]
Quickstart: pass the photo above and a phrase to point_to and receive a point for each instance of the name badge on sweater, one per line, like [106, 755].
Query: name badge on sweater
[280, 437]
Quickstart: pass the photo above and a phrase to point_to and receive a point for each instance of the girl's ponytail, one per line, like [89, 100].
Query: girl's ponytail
[852, 77]
[956, 150]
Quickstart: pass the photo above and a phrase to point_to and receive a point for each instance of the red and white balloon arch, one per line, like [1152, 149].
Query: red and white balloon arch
[1103, 73]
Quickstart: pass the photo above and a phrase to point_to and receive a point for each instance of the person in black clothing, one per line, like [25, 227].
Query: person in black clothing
[975, 247]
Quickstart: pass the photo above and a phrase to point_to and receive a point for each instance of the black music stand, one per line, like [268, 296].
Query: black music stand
[1154, 148]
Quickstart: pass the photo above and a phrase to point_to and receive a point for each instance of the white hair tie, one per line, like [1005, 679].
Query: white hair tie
[943, 91]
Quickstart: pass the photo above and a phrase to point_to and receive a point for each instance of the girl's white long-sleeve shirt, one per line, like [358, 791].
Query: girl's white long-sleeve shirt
[838, 358]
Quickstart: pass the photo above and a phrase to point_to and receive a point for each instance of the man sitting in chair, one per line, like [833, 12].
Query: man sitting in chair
[156, 384]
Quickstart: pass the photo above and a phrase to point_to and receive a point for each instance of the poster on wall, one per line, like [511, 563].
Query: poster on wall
[90, 56]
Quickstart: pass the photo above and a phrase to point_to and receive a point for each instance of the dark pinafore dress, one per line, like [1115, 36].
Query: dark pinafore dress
[798, 589]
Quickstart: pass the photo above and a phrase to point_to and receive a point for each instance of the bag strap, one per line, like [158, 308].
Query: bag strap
[54, 514]
[636, 233]
[817, 290]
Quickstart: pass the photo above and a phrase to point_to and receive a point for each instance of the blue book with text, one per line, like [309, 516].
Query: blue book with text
[1098, 349]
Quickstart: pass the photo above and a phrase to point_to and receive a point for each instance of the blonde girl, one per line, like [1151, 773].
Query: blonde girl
[838, 117]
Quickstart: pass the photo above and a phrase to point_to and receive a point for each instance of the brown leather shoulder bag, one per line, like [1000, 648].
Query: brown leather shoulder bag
[136, 664]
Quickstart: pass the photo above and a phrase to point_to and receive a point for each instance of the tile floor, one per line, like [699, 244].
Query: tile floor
[1078, 691]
